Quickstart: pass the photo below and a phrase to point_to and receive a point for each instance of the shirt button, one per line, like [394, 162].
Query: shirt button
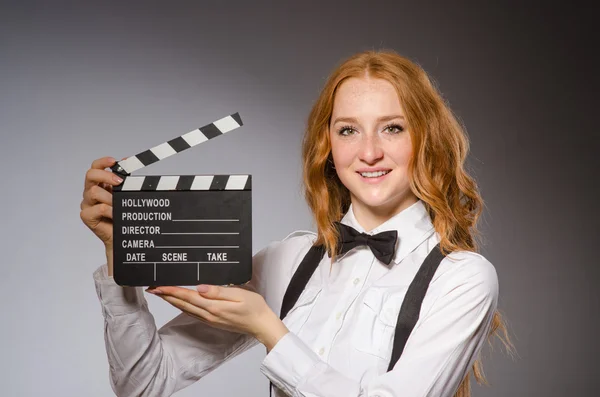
[356, 281]
[321, 351]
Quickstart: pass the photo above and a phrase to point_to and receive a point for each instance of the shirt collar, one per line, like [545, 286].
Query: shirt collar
[413, 225]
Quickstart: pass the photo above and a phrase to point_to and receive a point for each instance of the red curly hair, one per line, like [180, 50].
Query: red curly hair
[436, 169]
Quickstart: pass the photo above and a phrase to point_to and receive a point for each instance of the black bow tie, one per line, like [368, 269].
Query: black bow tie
[383, 245]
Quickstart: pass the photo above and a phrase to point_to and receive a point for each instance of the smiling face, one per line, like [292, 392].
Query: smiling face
[371, 148]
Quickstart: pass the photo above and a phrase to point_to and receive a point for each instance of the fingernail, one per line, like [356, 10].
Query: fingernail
[154, 291]
[117, 179]
[202, 288]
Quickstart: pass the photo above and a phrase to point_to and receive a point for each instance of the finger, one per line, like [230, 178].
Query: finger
[106, 187]
[216, 292]
[184, 294]
[96, 214]
[98, 220]
[190, 308]
[103, 162]
[95, 195]
[94, 177]
[248, 287]
[213, 306]
[203, 320]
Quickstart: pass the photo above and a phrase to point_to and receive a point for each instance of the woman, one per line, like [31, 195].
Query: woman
[382, 155]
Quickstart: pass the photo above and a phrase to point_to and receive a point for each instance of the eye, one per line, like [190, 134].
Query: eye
[393, 129]
[346, 130]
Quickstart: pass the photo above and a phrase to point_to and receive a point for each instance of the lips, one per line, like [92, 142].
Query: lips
[372, 176]
[361, 170]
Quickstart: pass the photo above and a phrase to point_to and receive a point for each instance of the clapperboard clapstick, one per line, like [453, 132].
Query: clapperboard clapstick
[186, 229]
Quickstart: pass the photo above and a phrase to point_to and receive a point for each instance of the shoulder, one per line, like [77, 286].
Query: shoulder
[469, 271]
[274, 265]
[296, 241]
[301, 236]
[288, 251]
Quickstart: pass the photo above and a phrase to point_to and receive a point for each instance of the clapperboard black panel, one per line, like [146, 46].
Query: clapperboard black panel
[182, 229]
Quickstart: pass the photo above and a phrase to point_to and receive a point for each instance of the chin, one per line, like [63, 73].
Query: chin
[378, 202]
[386, 201]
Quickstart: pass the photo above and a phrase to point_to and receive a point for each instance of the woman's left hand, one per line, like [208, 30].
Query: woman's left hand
[230, 308]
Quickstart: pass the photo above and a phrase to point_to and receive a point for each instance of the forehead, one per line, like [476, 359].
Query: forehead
[367, 95]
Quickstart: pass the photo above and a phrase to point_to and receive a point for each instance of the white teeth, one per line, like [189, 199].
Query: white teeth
[373, 174]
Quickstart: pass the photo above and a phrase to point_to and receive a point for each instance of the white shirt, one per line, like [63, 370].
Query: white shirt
[341, 328]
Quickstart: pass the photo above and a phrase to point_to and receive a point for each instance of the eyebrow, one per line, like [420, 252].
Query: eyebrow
[381, 119]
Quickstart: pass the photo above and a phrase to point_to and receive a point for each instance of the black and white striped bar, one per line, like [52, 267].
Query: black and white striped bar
[177, 145]
[182, 229]
[185, 183]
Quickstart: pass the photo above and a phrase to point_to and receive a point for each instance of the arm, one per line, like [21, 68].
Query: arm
[438, 354]
[145, 361]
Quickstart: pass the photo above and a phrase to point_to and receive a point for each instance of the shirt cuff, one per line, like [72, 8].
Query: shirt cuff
[289, 362]
[116, 300]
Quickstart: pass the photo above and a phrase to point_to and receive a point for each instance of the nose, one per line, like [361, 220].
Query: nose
[371, 149]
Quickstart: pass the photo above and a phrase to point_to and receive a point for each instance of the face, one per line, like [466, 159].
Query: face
[371, 146]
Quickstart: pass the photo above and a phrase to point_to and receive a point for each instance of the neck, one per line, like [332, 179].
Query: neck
[371, 217]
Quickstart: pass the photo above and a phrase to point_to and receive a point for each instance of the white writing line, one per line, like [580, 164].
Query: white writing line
[205, 220]
[204, 233]
[189, 262]
[198, 246]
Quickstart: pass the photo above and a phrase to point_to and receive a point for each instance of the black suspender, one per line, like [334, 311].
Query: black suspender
[411, 305]
[300, 278]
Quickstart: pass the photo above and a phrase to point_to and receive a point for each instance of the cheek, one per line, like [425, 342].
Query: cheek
[343, 154]
[404, 157]
[402, 153]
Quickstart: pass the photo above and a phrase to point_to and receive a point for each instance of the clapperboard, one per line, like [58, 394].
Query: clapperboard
[182, 229]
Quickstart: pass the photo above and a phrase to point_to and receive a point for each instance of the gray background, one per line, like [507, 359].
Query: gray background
[79, 81]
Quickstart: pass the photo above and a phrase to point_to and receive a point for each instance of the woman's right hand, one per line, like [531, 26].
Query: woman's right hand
[96, 206]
